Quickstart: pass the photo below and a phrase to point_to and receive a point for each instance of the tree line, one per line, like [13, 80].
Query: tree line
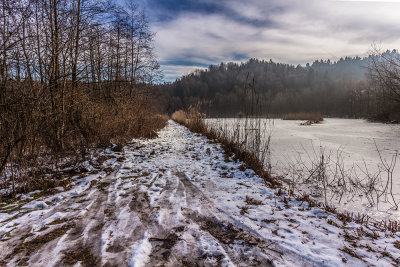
[351, 87]
[73, 74]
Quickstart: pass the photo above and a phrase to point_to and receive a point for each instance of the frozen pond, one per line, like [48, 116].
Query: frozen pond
[355, 138]
[356, 141]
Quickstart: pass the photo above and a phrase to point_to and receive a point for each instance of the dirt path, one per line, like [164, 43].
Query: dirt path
[171, 201]
[115, 222]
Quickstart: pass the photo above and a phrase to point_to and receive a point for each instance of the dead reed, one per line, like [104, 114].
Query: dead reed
[179, 116]
[314, 117]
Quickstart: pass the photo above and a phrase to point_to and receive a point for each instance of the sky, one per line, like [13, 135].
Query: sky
[193, 34]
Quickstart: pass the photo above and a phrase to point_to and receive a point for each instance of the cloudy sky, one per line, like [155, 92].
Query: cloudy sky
[193, 34]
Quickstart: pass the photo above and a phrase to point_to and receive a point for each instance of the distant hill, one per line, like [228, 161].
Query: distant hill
[354, 67]
[338, 88]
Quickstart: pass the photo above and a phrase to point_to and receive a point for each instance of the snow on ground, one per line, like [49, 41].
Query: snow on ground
[175, 201]
[351, 142]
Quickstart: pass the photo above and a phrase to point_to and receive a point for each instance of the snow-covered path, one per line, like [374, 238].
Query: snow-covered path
[177, 200]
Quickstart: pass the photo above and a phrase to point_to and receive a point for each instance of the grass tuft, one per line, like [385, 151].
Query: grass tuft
[252, 201]
[350, 252]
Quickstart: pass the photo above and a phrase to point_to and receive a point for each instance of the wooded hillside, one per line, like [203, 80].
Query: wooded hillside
[343, 88]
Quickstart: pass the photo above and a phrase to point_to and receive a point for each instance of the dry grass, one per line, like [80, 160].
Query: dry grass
[37, 140]
[195, 120]
[179, 116]
[307, 116]
[252, 201]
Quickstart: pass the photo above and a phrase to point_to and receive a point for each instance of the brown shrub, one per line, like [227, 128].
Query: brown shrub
[315, 117]
[118, 120]
[40, 132]
[195, 121]
[179, 116]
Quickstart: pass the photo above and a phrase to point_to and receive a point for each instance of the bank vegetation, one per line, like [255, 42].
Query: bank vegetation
[74, 75]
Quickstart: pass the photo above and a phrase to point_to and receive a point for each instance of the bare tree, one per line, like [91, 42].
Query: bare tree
[66, 72]
[384, 72]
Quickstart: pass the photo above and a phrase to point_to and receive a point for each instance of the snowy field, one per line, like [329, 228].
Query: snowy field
[177, 201]
[355, 140]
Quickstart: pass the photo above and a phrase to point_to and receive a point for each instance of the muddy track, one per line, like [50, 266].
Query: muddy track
[83, 221]
[178, 226]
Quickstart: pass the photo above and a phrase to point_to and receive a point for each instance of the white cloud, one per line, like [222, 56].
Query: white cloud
[171, 72]
[292, 31]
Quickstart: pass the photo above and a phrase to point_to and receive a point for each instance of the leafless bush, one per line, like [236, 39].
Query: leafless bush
[317, 170]
[384, 74]
[387, 168]
[73, 75]
[36, 144]
[327, 174]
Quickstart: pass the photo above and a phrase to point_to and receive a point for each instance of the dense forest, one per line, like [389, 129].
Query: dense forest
[345, 88]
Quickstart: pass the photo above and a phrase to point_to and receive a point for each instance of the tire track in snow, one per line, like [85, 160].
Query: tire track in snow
[86, 233]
